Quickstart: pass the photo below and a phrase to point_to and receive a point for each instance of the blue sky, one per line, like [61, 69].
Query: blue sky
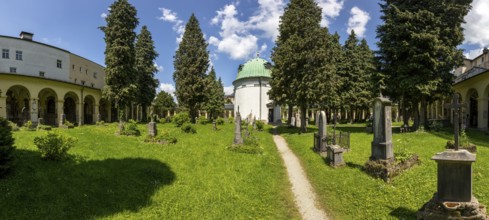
[236, 30]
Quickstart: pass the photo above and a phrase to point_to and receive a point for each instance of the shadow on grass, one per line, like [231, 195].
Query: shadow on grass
[479, 138]
[285, 129]
[402, 213]
[354, 166]
[78, 189]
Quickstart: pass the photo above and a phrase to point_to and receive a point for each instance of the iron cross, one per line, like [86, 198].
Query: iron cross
[456, 107]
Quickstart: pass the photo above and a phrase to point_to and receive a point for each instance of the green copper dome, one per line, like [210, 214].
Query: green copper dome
[256, 67]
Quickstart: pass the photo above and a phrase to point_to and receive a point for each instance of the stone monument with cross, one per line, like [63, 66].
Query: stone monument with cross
[454, 185]
[382, 148]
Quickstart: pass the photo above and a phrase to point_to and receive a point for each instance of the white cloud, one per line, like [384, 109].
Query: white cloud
[357, 21]
[167, 87]
[228, 90]
[103, 15]
[235, 37]
[477, 23]
[471, 54]
[267, 19]
[172, 17]
[159, 68]
[330, 10]
[45, 40]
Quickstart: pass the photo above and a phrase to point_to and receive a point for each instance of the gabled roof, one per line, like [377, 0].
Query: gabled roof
[256, 67]
[474, 71]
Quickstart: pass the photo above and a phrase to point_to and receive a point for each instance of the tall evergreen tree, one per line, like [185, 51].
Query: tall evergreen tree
[120, 79]
[191, 62]
[214, 104]
[418, 48]
[145, 57]
[295, 54]
[163, 103]
[368, 85]
[6, 147]
[328, 81]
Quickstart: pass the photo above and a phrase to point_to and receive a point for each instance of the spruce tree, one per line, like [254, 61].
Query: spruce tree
[6, 147]
[367, 85]
[191, 62]
[145, 56]
[328, 81]
[418, 49]
[295, 54]
[164, 102]
[120, 74]
[214, 104]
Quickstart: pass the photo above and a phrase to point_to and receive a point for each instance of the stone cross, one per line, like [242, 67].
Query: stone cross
[456, 107]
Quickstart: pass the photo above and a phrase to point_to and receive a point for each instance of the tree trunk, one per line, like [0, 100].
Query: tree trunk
[303, 119]
[416, 116]
[424, 114]
[121, 110]
[192, 114]
[144, 113]
[289, 114]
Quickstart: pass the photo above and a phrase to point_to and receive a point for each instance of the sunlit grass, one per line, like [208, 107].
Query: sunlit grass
[349, 193]
[120, 177]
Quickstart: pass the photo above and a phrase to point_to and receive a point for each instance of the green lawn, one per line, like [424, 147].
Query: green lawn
[349, 193]
[119, 177]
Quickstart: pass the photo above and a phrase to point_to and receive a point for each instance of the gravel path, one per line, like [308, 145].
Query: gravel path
[304, 196]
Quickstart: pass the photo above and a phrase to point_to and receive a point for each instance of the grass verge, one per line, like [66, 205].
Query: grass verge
[349, 193]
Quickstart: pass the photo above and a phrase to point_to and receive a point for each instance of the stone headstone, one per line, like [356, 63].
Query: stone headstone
[237, 130]
[152, 130]
[41, 121]
[454, 175]
[382, 143]
[317, 118]
[321, 136]
[99, 117]
[214, 125]
[292, 121]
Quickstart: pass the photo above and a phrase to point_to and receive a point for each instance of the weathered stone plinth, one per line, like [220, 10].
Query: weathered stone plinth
[152, 130]
[388, 169]
[454, 175]
[320, 144]
[335, 155]
[381, 151]
[438, 209]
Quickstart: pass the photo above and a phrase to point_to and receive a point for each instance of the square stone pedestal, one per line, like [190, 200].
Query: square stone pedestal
[382, 151]
[454, 198]
[454, 175]
[335, 155]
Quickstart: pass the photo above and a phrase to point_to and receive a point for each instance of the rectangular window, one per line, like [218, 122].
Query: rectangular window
[80, 68]
[95, 75]
[73, 66]
[5, 54]
[59, 64]
[13, 69]
[86, 71]
[41, 73]
[18, 55]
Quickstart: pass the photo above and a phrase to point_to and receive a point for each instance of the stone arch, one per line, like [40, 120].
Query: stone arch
[103, 109]
[70, 107]
[472, 111]
[88, 110]
[18, 107]
[47, 106]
